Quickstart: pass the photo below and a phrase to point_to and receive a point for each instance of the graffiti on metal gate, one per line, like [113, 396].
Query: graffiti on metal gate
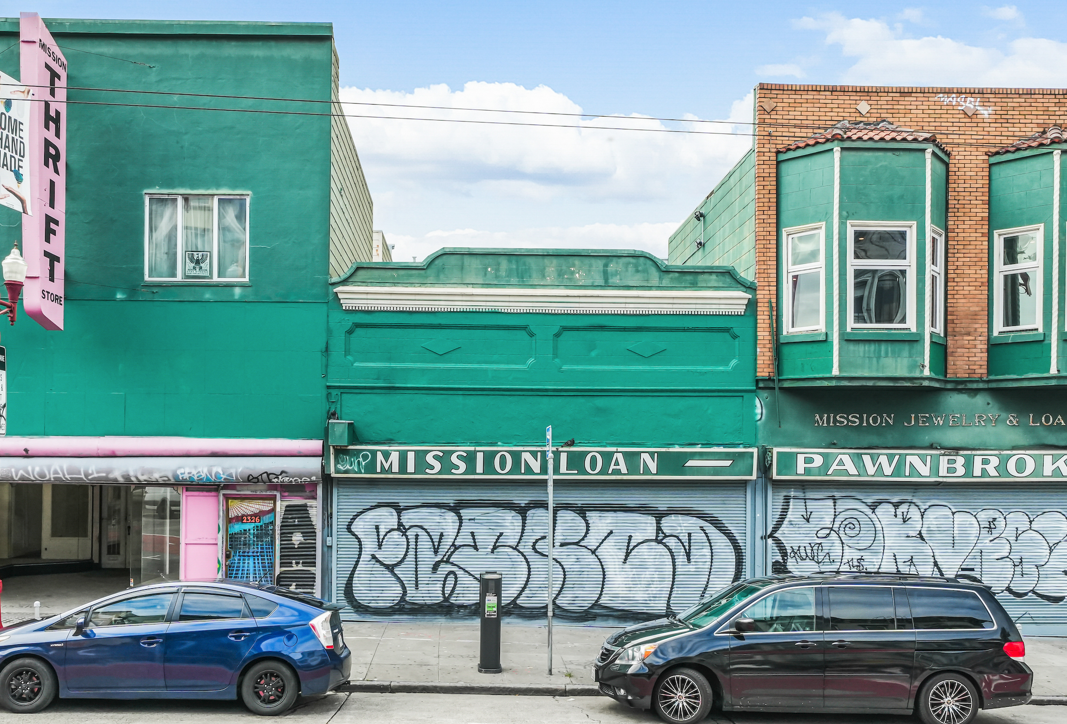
[1010, 551]
[609, 561]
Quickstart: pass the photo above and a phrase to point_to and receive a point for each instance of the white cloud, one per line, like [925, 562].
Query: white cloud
[567, 182]
[528, 161]
[650, 237]
[884, 56]
[781, 69]
[913, 15]
[1007, 13]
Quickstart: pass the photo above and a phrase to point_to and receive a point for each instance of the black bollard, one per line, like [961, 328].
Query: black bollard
[489, 585]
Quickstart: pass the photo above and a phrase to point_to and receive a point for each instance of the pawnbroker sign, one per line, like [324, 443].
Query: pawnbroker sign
[912, 465]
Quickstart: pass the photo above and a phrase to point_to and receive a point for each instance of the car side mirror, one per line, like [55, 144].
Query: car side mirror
[744, 625]
[79, 626]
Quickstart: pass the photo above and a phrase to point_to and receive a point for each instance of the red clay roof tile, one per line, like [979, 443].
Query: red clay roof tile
[863, 131]
[1052, 134]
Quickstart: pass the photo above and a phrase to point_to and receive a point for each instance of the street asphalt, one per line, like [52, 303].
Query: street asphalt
[449, 709]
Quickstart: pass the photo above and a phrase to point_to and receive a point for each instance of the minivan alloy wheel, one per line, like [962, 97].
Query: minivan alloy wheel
[950, 702]
[679, 697]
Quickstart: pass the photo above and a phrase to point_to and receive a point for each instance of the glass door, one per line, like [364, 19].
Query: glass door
[114, 524]
[251, 541]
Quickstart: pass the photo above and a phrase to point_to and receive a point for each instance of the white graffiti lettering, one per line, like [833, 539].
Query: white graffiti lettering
[609, 562]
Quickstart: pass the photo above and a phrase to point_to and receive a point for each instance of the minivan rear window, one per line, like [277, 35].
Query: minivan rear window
[938, 608]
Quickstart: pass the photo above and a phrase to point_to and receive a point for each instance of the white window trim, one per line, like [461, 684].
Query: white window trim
[214, 239]
[936, 281]
[788, 270]
[999, 270]
[852, 264]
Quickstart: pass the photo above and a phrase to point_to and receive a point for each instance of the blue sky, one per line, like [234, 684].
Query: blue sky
[437, 184]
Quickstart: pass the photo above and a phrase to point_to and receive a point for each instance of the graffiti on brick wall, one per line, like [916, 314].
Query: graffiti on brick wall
[1014, 552]
[609, 561]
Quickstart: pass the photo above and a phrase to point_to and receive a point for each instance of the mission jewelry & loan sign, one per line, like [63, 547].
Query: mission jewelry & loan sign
[529, 463]
[918, 465]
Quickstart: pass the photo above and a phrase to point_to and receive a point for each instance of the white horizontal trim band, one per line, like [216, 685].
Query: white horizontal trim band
[559, 301]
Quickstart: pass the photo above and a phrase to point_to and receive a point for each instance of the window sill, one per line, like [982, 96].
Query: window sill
[199, 283]
[1009, 337]
[939, 338]
[802, 337]
[883, 335]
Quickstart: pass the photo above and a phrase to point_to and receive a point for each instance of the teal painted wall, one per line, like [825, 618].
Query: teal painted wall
[179, 359]
[729, 226]
[496, 377]
[1021, 194]
[876, 184]
[805, 196]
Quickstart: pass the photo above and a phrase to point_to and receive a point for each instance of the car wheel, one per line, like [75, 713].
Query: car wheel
[27, 685]
[948, 699]
[269, 688]
[682, 696]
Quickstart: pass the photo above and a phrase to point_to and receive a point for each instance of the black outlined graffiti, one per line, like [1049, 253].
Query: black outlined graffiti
[297, 536]
[610, 561]
[1012, 552]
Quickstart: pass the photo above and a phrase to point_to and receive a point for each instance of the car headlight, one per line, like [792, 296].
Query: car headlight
[5, 638]
[634, 654]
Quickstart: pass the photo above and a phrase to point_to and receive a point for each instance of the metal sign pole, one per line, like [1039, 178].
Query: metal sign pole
[551, 550]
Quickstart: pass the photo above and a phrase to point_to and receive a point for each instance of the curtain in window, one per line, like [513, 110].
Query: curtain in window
[196, 236]
[233, 238]
[162, 238]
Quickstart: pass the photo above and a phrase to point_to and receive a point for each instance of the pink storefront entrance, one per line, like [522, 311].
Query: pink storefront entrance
[187, 508]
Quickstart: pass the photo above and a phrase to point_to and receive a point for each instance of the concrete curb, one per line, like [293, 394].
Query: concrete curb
[435, 687]
[1057, 700]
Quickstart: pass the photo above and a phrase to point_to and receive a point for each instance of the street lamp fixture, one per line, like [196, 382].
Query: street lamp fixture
[14, 268]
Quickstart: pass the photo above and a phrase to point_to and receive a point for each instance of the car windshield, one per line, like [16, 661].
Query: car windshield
[719, 603]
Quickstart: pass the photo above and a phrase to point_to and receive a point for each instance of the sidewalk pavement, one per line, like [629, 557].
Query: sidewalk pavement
[443, 658]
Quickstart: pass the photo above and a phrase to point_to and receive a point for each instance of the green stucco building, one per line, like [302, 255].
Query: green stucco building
[213, 190]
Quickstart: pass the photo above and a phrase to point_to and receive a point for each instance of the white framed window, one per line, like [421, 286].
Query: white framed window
[804, 274]
[196, 238]
[1017, 279]
[881, 275]
[936, 248]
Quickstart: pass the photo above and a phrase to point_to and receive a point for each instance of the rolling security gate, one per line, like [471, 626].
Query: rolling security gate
[1011, 537]
[624, 552]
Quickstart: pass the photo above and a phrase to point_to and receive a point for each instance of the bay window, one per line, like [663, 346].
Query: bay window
[804, 279]
[880, 276]
[196, 238]
[1017, 280]
[937, 281]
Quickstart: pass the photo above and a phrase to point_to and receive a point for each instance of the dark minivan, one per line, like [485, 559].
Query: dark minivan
[845, 643]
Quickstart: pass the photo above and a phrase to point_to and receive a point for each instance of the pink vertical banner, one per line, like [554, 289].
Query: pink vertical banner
[200, 536]
[44, 71]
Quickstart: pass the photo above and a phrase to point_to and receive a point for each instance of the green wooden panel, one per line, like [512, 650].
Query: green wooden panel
[500, 377]
[439, 345]
[1021, 194]
[513, 418]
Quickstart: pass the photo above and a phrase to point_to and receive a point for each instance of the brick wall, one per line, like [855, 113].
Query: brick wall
[1004, 116]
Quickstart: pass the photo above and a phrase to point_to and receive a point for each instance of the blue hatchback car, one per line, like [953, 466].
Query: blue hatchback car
[220, 640]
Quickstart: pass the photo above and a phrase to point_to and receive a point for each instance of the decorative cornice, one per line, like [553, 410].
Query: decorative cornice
[554, 301]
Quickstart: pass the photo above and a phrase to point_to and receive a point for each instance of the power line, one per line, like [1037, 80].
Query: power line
[787, 126]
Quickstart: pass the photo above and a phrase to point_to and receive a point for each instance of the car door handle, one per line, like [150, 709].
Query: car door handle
[238, 635]
[840, 644]
[804, 644]
[150, 642]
